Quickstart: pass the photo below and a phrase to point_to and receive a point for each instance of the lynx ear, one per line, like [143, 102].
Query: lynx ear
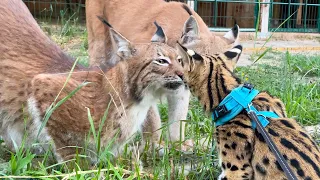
[233, 35]
[159, 36]
[190, 31]
[233, 55]
[121, 45]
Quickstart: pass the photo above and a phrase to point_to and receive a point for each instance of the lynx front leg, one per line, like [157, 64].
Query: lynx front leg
[151, 127]
[178, 103]
[98, 34]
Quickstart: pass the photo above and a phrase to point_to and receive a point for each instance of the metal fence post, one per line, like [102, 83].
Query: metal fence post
[318, 21]
[270, 14]
[256, 13]
[289, 13]
[305, 16]
[215, 13]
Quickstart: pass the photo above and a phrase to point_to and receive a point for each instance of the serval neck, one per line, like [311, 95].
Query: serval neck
[221, 81]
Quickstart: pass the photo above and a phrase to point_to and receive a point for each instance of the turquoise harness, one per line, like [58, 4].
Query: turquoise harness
[240, 98]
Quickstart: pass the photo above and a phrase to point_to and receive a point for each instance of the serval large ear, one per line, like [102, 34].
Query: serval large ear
[159, 36]
[190, 31]
[122, 46]
[232, 56]
[233, 34]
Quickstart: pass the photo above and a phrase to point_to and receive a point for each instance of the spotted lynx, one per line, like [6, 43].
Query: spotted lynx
[243, 153]
[32, 72]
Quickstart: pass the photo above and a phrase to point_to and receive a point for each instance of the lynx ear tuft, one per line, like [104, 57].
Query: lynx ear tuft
[104, 21]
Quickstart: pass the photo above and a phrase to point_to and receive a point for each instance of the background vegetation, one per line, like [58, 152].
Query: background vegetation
[292, 77]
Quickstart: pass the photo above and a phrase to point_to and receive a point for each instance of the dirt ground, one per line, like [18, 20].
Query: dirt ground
[252, 49]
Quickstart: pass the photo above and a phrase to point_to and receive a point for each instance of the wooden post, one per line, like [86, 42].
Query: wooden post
[191, 4]
[276, 14]
[265, 19]
[299, 14]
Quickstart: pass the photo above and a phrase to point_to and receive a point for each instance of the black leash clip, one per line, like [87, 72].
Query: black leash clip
[220, 111]
[248, 86]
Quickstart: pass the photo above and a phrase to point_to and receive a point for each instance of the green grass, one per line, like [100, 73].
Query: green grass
[293, 78]
[300, 93]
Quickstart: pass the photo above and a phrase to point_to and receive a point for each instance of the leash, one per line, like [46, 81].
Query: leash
[283, 163]
[240, 99]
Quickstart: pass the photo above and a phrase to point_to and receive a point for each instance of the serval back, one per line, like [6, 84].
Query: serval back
[34, 69]
[243, 153]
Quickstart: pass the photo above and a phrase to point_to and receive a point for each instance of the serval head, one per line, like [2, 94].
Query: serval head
[210, 76]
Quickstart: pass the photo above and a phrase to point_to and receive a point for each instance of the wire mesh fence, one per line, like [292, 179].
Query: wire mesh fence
[217, 14]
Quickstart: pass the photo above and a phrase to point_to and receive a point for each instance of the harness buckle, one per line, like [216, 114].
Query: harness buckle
[220, 111]
[248, 86]
[249, 107]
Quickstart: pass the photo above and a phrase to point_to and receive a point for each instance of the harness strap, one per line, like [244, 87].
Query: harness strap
[240, 99]
[283, 163]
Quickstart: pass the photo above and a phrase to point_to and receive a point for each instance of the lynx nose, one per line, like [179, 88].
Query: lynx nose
[180, 74]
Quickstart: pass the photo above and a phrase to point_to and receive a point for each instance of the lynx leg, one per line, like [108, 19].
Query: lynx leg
[98, 34]
[178, 109]
[152, 125]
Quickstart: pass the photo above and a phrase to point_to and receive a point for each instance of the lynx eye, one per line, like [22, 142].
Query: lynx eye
[162, 62]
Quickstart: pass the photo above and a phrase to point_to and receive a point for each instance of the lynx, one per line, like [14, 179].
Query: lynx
[33, 70]
[134, 19]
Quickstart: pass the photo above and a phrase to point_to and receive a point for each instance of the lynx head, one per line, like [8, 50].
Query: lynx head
[204, 43]
[151, 67]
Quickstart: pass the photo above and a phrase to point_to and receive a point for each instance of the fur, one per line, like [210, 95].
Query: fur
[134, 19]
[33, 71]
[243, 153]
